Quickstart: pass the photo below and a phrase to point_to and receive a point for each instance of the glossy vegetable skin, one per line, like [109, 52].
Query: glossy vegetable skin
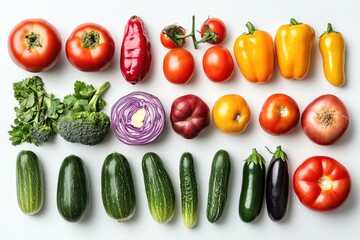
[159, 189]
[29, 182]
[293, 45]
[189, 190]
[279, 114]
[218, 64]
[321, 183]
[178, 66]
[172, 36]
[213, 30]
[254, 53]
[277, 185]
[73, 191]
[218, 185]
[34, 45]
[189, 116]
[90, 47]
[325, 119]
[231, 113]
[117, 187]
[252, 187]
[332, 49]
[135, 53]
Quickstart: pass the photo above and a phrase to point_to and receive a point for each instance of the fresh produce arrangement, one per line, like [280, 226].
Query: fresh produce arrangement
[139, 118]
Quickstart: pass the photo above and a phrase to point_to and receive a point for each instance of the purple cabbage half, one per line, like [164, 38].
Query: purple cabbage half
[138, 118]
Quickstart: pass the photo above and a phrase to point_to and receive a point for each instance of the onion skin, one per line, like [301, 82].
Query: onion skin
[325, 119]
[189, 116]
[124, 111]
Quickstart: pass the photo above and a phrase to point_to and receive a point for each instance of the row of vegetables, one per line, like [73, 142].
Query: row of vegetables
[35, 45]
[320, 182]
[138, 118]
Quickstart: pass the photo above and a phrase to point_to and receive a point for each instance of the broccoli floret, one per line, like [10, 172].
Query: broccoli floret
[41, 133]
[87, 128]
[86, 124]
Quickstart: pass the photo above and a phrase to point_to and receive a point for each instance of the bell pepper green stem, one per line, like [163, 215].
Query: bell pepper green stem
[294, 22]
[250, 28]
[329, 28]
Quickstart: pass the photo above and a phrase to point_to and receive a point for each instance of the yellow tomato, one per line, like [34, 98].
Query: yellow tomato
[231, 113]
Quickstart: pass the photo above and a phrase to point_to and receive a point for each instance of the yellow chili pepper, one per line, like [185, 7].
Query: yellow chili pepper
[254, 53]
[293, 45]
[332, 48]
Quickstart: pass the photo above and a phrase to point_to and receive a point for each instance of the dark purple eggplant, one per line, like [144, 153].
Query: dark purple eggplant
[277, 185]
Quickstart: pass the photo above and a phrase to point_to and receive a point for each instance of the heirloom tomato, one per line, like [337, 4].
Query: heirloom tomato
[279, 114]
[34, 45]
[231, 113]
[321, 183]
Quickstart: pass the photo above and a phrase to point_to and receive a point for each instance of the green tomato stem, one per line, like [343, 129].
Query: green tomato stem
[90, 39]
[33, 40]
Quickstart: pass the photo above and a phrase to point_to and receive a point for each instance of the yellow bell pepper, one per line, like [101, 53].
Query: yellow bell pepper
[254, 54]
[332, 48]
[293, 45]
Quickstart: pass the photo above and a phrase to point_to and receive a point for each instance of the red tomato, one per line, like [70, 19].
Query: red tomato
[321, 183]
[178, 66]
[325, 119]
[90, 47]
[218, 64]
[34, 45]
[213, 26]
[279, 114]
[172, 36]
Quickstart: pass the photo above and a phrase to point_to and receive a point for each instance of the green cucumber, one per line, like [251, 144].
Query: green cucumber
[188, 189]
[252, 188]
[218, 185]
[159, 189]
[29, 182]
[117, 187]
[73, 191]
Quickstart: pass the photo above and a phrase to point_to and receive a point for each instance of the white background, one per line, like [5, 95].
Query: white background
[300, 223]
